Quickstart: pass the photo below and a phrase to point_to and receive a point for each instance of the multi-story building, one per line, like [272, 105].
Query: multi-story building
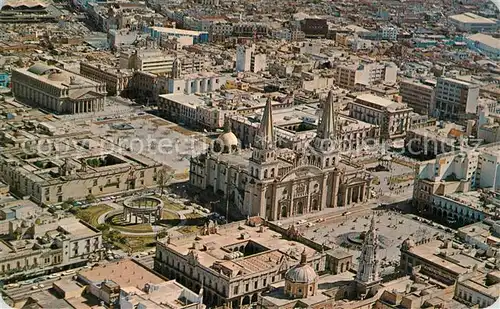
[117, 80]
[156, 62]
[441, 260]
[57, 90]
[393, 118]
[191, 110]
[470, 22]
[247, 59]
[484, 44]
[272, 182]
[250, 29]
[456, 99]
[359, 75]
[197, 37]
[389, 33]
[233, 263]
[481, 289]
[112, 285]
[180, 83]
[419, 95]
[72, 243]
[58, 169]
[430, 141]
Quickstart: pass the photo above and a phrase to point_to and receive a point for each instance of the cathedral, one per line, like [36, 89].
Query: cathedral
[277, 183]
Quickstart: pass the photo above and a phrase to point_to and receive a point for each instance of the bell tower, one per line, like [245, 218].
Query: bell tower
[264, 162]
[324, 153]
[368, 277]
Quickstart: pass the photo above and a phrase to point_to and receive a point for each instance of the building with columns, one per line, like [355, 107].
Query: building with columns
[57, 90]
[234, 263]
[277, 183]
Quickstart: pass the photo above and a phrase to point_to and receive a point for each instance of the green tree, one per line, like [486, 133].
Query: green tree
[90, 198]
[163, 179]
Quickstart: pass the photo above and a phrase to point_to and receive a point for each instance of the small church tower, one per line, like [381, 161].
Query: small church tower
[177, 69]
[368, 277]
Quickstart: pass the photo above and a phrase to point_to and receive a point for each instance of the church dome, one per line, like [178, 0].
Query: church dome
[58, 77]
[228, 139]
[301, 274]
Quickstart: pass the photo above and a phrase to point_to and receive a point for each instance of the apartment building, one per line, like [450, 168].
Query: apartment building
[156, 62]
[419, 95]
[358, 75]
[249, 60]
[456, 99]
[393, 118]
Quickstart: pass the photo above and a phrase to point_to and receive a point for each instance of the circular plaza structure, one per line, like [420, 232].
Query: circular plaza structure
[142, 209]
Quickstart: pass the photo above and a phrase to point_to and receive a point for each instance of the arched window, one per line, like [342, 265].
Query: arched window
[272, 172]
[327, 163]
[265, 173]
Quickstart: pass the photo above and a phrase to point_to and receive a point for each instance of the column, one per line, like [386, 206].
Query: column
[74, 108]
[344, 197]
[349, 197]
[336, 188]
[360, 196]
[363, 192]
[135, 218]
[324, 193]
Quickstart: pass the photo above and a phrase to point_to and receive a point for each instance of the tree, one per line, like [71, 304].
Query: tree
[163, 179]
[90, 198]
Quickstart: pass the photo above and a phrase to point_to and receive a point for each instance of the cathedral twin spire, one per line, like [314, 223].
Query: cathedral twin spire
[265, 136]
[327, 128]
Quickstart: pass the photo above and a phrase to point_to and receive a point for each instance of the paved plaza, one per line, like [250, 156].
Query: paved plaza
[153, 137]
[392, 227]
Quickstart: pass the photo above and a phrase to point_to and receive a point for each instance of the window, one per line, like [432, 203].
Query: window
[95, 182]
[235, 290]
[264, 282]
[256, 285]
[247, 287]
[142, 173]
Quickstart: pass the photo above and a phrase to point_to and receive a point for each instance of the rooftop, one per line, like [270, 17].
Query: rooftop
[472, 18]
[126, 273]
[212, 250]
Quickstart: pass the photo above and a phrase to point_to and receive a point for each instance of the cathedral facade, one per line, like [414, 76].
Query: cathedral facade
[277, 183]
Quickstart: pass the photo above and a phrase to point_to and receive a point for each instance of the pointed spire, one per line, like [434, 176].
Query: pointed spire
[227, 125]
[303, 257]
[266, 131]
[327, 127]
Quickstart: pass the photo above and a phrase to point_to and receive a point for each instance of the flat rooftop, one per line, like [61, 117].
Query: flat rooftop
[177, 31]
[125, 273]
[379, 101]
[471, 18]
[454, 261]
[276, 246]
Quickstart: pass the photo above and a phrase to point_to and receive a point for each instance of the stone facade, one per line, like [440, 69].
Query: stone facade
[57, 90]
[280, 183]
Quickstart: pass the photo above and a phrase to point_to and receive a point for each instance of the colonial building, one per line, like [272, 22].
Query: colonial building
[234, 263]
[279, 183]
[57, 90]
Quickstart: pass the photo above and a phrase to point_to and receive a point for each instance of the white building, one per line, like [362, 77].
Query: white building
[456, 99]
[389, 33]
[392, 117]
[469, 22]
[248, 59]
[484, 44]
[354, 75]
